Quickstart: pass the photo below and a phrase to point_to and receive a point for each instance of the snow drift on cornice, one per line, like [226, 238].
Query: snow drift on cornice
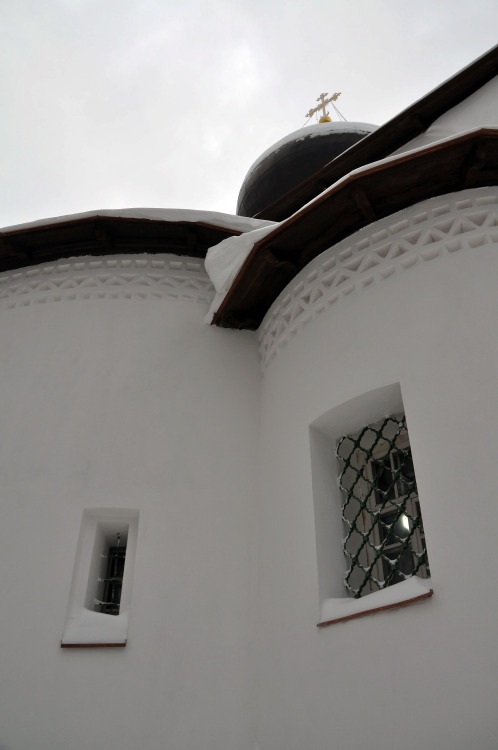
[212, 218]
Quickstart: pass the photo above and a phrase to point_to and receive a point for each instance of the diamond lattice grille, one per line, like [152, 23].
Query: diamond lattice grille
[385, 541]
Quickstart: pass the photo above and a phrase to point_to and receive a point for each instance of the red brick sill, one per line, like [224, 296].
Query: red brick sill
[93, 645]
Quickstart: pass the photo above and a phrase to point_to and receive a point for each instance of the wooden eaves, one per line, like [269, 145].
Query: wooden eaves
[390, 136]
[106, 235]
[378, 190]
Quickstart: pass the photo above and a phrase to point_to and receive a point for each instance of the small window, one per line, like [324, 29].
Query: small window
[100, 594]
[384, 542]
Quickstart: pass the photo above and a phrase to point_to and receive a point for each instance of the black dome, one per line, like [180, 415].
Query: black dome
[293, 159]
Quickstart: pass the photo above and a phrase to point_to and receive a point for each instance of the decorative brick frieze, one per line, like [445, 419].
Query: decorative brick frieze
[109, 277]
[439, 226]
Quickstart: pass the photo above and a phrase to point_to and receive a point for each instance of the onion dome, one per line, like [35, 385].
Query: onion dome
[292, 160]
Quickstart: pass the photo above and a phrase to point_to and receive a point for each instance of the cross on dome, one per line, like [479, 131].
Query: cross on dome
[323, 102]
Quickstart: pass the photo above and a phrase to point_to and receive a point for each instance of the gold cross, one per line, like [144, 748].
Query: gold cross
[322, 104]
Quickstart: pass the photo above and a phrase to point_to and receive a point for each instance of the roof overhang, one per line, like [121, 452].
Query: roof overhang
[107, 234]
[391, 136]
[360, 198]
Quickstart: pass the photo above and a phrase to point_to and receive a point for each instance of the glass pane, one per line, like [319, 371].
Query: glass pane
[113, 581]
[392, 529]
[402, 460]
[383, 480]
[404, 564]
[419, 515]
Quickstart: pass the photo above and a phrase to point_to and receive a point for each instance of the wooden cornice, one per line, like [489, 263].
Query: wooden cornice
[379, 190]
[106, 235]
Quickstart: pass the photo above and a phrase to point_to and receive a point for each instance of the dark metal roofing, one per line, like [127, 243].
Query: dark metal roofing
[377, 190]
[391, 136]
[289, 165]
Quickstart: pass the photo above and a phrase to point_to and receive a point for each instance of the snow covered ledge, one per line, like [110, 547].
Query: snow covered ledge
[407, 592]
[224, 261]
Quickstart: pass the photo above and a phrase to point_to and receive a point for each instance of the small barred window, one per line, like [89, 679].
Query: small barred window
[108, 597]
[385, 541]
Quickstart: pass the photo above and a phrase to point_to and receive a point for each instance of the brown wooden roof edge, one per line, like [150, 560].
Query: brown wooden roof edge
[409, 123]
[376, 166]
[106, 234]
[81, 219]
[227, 316]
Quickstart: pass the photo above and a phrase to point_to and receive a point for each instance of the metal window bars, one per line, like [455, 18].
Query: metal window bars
[113, 581]
[385, 541]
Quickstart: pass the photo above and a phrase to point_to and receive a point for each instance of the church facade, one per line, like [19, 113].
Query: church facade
[221, 435]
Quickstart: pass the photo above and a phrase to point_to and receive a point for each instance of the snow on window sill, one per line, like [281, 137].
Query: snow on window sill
[86, 628]
[408, 592]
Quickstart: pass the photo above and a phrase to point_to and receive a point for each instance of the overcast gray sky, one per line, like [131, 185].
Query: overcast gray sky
[155, 103]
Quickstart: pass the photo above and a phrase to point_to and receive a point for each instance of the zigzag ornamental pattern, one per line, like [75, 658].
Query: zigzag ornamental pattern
[439, 226]
[111, 277]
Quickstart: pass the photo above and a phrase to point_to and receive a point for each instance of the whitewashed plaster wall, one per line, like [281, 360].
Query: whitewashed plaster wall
[479, 110]
[414, 304]
[114, 394]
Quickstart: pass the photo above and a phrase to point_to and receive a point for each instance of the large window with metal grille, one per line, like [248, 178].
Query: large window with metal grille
[384, 541]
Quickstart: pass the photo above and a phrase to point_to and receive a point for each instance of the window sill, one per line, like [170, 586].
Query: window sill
[86, 628]
[93, 645]
[401, 595]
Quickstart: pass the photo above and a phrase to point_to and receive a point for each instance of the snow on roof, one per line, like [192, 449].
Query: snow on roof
[224, 261]
[312, 131]
[213, 218]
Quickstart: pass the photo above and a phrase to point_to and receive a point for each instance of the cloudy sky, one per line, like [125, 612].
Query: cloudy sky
[162, 103]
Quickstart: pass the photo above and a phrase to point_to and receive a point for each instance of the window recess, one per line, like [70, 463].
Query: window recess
[100, 595]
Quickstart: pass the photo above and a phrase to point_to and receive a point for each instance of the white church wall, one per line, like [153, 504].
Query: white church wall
[126, 402]
[479, 110]
[424, 674]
